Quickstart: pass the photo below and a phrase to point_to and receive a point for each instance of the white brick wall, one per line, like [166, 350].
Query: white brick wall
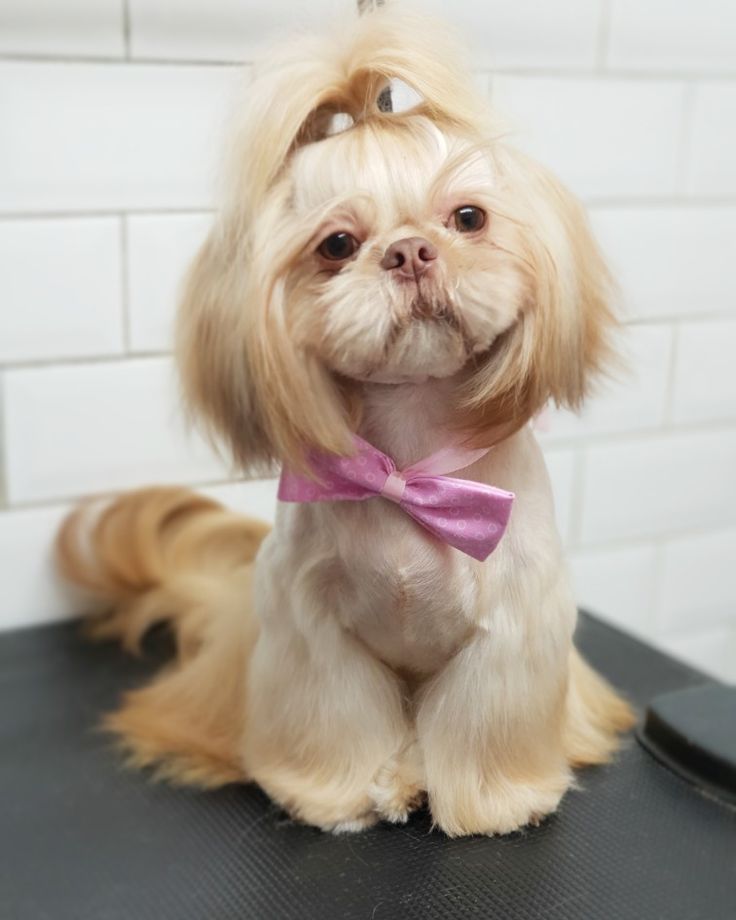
[111, 114]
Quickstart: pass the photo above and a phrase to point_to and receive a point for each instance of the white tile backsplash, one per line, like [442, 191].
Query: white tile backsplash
[704, 385]
[657, 485]
[634, 397]
[712, 161]
[228, 30]
[109, 136]
[60, 288]
[698, 581]
[32, 591]
[583, 129]
[710, 650]
[671, 261]
[98, 427]
[526, 34]
[159, 247]
[112, 117]
[619, 585]
[68, 28]
[672, 35]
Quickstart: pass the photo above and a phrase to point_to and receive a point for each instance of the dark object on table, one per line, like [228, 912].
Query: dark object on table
[693, 732]
[84, 839]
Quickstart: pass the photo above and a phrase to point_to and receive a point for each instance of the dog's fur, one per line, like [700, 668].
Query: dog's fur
[361, 664]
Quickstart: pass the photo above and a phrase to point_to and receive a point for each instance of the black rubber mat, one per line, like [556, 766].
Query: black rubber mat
[83, 839]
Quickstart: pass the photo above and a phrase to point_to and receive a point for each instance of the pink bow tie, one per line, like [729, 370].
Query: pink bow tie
[470, 516]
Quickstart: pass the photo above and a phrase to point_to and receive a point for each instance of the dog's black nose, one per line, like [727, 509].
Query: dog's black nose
[410, 257]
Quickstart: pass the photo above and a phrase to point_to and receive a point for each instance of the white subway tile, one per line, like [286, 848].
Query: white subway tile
[526, 33]
[98, 427]
[101, 136]
[229, 30]
[160, 247]
[561, 467]
[709, 650]
[32, 591]
[69, 28]
[604, 137]
[255, 498]
[659, 485]
[634, 399]
[712, 169]
[705, 373]
[59, 288]
[671, 261]
[499, 34]
[679, 36]
[698, 588]
[618, 585]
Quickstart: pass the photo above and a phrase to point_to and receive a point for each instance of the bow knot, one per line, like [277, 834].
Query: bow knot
[469, 516]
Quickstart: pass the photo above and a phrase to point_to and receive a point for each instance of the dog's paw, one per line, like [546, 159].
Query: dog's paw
[396, 788]
[352, 825]
[500, 810]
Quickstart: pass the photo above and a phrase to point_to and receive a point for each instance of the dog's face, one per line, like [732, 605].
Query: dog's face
[409, 246]
[407, 272]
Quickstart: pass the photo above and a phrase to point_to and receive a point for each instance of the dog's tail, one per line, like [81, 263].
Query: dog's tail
[167, 555]
[596, 716]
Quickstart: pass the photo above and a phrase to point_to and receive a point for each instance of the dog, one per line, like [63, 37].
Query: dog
[386, 281]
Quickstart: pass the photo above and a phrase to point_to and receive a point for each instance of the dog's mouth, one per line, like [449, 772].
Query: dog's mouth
[427, 341]
[438, 313]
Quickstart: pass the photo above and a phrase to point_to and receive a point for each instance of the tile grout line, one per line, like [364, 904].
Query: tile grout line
[603, 37]
[689, 100]
[124, 284]
[126, 28]
[550, 72]
[91, 360]
[629, 435]
[633, 202]
[82, 213]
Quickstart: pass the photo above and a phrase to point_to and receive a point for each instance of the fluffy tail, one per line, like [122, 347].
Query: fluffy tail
[168, 555]
[596, 715]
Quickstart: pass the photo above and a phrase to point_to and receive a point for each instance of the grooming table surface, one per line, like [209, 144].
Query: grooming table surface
[83, 839]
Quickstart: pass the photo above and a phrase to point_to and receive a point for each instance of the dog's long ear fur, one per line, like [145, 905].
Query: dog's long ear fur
[560, 342]
[241, 371]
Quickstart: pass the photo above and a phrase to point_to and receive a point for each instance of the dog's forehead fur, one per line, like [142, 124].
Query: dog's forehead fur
[399, 172]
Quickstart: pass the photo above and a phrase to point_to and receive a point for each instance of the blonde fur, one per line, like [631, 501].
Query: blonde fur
[166, 555]
[359, 664]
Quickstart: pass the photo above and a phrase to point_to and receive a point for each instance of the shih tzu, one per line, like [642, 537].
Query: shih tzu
[388, 296]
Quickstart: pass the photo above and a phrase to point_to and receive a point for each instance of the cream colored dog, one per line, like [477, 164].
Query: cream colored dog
[398, 271]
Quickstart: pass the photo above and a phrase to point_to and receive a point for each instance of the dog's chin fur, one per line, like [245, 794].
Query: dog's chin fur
[353, 665]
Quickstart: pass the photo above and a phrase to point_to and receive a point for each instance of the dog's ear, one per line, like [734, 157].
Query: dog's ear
[561, 340]
[242, 373]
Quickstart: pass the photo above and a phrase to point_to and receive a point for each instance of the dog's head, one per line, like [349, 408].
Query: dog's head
[376, 228]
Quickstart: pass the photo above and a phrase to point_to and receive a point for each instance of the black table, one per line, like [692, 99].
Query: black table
[82, 838]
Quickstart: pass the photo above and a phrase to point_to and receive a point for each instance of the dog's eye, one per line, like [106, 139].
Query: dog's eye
[338, 246]
[468, 219]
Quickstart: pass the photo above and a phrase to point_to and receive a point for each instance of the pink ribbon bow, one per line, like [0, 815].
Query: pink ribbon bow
[470, 516]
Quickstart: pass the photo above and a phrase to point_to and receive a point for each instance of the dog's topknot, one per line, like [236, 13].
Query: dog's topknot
[300, 86]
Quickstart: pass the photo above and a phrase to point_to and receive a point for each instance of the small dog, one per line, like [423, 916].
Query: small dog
[387, 281]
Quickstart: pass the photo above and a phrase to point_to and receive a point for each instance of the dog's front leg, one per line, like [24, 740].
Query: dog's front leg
[325, 722]
[490, 727]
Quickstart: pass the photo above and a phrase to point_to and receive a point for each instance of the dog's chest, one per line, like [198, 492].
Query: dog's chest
[412, 600]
